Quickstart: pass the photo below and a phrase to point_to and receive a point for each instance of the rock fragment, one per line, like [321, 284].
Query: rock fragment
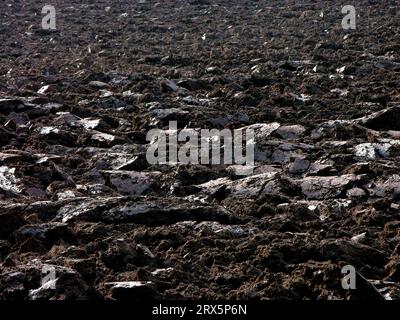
[326, 187]
[133, 290]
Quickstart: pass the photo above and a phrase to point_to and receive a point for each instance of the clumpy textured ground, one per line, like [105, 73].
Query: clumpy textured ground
[79, 200]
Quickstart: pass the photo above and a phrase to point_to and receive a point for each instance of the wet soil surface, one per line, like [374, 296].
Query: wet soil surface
[81, 206]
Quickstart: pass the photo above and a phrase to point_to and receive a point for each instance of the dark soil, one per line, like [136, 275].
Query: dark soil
[77, 195]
